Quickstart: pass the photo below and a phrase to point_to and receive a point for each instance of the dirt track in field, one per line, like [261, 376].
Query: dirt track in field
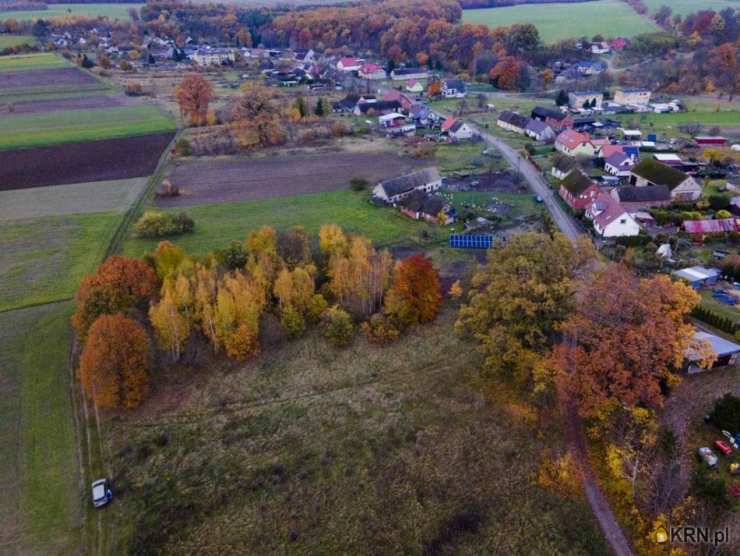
[80, 103]
[242, 179]
[112, 159]
[45, 78]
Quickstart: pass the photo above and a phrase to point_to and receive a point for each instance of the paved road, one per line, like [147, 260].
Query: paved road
[536, 182]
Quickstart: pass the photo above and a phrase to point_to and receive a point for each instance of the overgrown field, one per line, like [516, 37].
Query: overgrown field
[50, 128]
[216, 225]
[555, 22]
[81, 198]
[9, 41]
[114, 11]
[40, 502]
[309, 449]
[44, 259]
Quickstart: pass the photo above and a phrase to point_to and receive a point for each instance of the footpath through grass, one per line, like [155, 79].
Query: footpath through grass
[50, 128]
[218, 224]
[39, 506]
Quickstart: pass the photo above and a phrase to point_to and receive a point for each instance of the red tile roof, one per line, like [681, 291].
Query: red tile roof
[608, 150]
[571, 138]
[449, 122]
[712, 226]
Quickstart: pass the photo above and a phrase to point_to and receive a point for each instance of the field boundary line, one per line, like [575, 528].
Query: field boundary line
[39, 304]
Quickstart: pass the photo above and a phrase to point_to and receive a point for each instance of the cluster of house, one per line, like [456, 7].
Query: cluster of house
[415, 196]
[624, 101]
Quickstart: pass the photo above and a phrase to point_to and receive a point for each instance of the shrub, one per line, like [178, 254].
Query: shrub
[723, 214]
[726, 413]
[182, 147]
[316, 307]
[712, 489]
[719, 202]
[292, 321]
[358, 184]
[338, 327]
[134, 89]
[161, 224]
[380, 330]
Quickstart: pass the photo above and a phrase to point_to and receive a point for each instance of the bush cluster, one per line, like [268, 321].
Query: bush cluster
[161, 224]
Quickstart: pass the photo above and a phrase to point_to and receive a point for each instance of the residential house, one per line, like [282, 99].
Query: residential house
[573, 143]
[395, 189]
[413, 86]
[539, 131]
[684, 188]
[213, 56]
[600, 48]
[698, 277]
[422, 115]
[377, 108]
[404, 74]
[578, 190]
[371, 71]
[717, 226]
[610, 219]
[619, 164]
[420, 205]
[562, 167]
[457, 129]
[512, 121]
[727, 352]
[590, 67]
[554, 118]
[632, 96]
[347, 65]
[405, 100]
[578, 100]
[454, 88]
[394, 119]
[669, 159]
[608, 150]
[638, 198]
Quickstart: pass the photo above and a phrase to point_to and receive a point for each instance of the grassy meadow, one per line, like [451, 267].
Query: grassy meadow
[669, 123]
[556, 22]
[113, 11]
[27, 62]
[44, 259]
[50, 128]
[313, 450]
[40, 506]
[9, 41]
[217, 225]
[684, 7]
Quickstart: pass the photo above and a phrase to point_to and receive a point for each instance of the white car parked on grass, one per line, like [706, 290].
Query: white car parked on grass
[101, 493]
[708, 456]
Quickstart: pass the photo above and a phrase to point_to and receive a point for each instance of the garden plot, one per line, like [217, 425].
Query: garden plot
[81, 198]
[245, 179]
[111, 159]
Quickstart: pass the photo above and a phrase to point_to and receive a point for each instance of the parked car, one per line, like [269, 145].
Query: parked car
[730, 439]
[723, 447]
[101, 493]
[708, 456]
[735, 469]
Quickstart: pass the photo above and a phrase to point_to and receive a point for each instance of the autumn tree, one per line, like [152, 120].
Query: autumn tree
[416, 292]
[518, 299]
[172, 316]
[625, 339]
[507, 74]
[257, 117]
[193, 95]
[114, 365]
[119, 284]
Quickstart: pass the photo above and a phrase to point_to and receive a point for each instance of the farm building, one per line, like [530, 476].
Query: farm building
[371, 71]
[716, 141]
[698, 276]
[554, 118]
[539, 131]
[512, 121]
[637, 198]
[413, 86]
[347, 65]
[633, 96]
[562, 167]
[213, 56]
[651, 172]
[404, 74]
[578, 190]
[377, 108]
[718, 226]
[394, 119]
[432, 208]
[454, 88]
[610, 219]
[728, 353]
[395, 95]
[395, 189]
[578, 100]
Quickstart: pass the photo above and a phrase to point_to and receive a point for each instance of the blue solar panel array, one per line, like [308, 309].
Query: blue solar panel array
[484, 241]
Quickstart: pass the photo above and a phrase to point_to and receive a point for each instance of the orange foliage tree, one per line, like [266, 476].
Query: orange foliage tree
[120, 283]
[626, 336]
[114, 366]
[416, 293]
[193, 95]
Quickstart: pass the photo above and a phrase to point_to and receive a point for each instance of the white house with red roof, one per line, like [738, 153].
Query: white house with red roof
[610, 219]
[457, 129]
[371, 71]
[574, 143]
[349, 64]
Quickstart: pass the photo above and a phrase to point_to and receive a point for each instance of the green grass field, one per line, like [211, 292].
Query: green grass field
[722, 309]
[51, 128]
[684, 7]
[39, 509]
[556, 22]
[217, 225]
[114, 11]
[9, 41]
[44, 259]
[668, 123]
[22, 62]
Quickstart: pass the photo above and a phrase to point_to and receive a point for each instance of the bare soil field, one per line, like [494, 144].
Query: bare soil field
[80, 103]
[249, 179]
[43, 78]
[112, 159]
[79, 198]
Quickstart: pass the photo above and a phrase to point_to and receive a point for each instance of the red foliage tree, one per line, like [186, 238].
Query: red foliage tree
[416, 293]
[194, 94]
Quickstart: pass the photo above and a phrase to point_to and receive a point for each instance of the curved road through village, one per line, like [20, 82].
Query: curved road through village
[608, 523]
